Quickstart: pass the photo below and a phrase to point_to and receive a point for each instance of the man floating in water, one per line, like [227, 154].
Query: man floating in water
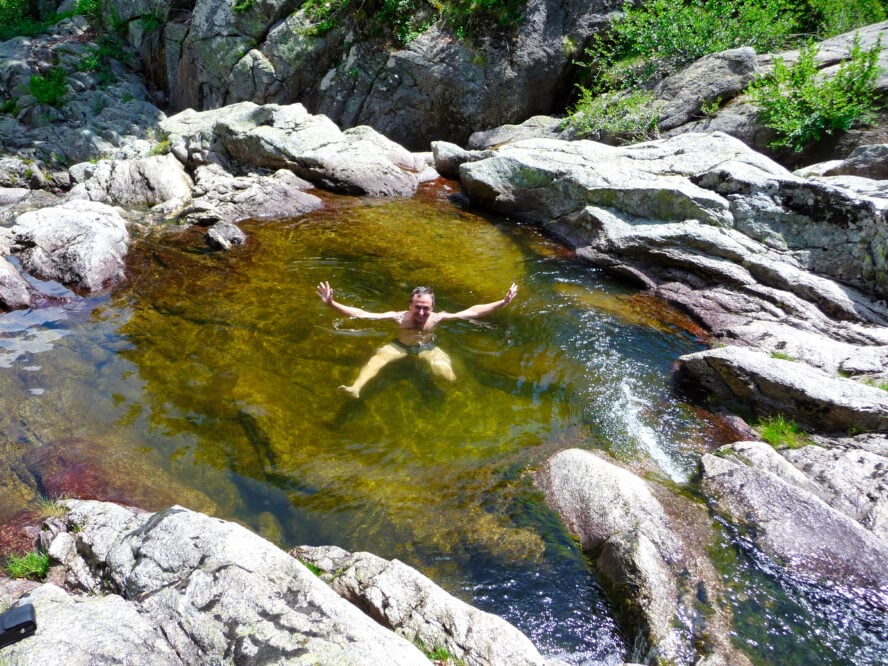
[414, 331]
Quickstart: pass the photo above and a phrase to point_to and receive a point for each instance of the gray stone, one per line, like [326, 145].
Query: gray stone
[79, 243]
[216, 592]
[798, 391]
[86, 630]
[448, 157]
[402, 599]
[798, 531]
[288, 137]
[15, 292]
[221, 196]
[148, 181]
[853, 481]
[224, 235]
[535, 127]
[652, 571]
[715, 78]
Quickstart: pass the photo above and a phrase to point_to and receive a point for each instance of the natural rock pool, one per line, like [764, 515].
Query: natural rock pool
[210, 380]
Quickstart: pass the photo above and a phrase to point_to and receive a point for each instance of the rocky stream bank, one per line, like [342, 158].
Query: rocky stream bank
[785, 270]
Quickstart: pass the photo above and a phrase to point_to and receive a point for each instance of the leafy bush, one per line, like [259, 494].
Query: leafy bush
[52, 88]
[802, 107]
[34, 565]
[98, 60]
[17, 18]
[403, 20]
[827, 18]
[626, 117]
[659, 37]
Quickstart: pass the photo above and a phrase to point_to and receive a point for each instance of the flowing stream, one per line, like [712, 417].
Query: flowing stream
[211, 380]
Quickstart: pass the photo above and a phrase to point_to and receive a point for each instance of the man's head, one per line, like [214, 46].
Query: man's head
[422, 303]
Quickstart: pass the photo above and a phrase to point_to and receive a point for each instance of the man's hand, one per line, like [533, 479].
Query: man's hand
[511, 293]
[325, 292]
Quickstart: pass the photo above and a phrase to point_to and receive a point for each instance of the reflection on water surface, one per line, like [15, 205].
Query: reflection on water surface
[219, 371]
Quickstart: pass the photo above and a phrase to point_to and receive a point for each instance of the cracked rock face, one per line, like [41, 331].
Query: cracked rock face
[81, 244]
[187, 588]
[399, 597]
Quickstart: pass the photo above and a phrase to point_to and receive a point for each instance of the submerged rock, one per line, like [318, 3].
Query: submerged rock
[109, 471]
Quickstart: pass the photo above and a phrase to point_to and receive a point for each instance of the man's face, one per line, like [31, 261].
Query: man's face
[421, 308]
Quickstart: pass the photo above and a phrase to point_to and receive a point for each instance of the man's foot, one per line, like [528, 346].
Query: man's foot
[350, 391]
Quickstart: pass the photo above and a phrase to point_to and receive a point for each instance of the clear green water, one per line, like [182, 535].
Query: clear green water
[211, 381]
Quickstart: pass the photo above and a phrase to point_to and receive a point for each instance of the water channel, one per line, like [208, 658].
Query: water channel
[210, 380]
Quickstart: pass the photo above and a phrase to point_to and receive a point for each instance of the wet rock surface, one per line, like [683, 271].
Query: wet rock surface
[654, 573]
[180, 587]
[402, 599]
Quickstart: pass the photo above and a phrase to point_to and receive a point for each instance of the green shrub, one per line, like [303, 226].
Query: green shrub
[661, 36]
[91, 9]
[17, 18]
[401, 21]
[827, 18]
[34, 565]
[780, 433]
[52, 88]
[626, 117]
[98, 59]
[9, 107]
[801, 106]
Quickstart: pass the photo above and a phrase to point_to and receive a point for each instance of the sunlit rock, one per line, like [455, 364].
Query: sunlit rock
[653, 568]
[799, 392]
[88, 629]
[148, 181]
[288, 137]
[79, 243]
[852, 480]
[801, 533]
[407, 602]
[197, 590]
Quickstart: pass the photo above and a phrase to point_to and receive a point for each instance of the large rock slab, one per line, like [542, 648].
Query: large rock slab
[144, 182]
[83, 630]
[799, 392]
[288, 137]
[220, 196]
[82, 244]
[653, 573]
[402, 599]
[837, 230]
[850, 479]
[217, 592]
[797, 530]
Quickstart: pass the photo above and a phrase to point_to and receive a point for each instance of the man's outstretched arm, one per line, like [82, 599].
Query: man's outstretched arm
[325, 293]
[482, 310]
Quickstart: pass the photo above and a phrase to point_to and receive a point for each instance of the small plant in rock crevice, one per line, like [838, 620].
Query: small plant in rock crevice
[33, 565]
[50, 88]
[780, 433]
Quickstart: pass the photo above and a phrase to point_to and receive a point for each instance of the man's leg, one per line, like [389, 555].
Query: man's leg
[383, 356]
[439, 362]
